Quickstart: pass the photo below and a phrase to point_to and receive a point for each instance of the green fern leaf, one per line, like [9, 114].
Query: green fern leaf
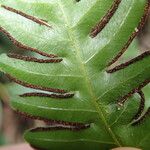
[71, 82]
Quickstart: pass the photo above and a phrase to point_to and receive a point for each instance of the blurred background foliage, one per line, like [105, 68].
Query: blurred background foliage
[12, 126]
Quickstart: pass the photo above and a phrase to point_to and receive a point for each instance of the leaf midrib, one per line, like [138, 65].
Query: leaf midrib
[85, 74]
[73, 141]
[59, 109]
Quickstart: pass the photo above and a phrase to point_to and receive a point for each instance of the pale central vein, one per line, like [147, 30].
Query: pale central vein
[87, 79]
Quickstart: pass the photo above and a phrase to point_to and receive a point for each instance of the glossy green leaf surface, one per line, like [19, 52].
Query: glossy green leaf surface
[78, 92]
